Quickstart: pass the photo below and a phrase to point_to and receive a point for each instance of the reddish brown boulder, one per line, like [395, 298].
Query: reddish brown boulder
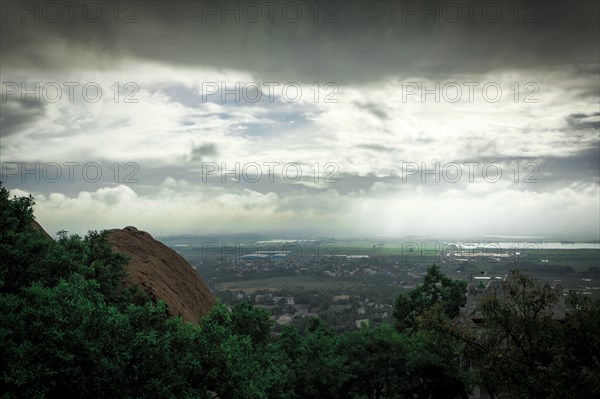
[36, 227]
[163, 273]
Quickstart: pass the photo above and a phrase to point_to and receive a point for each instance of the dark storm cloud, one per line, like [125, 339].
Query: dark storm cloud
[375, 147]
[369, 41]
[549, 172]
[559, 171]
[200, 152]
[373, 109]
[17, 114]
[584, 121]
[590, 87]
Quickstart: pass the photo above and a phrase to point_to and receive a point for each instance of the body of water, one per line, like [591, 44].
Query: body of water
[528, 245]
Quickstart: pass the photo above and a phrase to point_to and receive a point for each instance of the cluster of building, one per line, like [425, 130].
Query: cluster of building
[267, 255]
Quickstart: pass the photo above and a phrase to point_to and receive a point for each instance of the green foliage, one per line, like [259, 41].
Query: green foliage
[385, 363]
[46, 343]
[524, 351]
[253, 322]
[318, 369]
[433, 361]
[236, 369]
[580, 357]
[27, 256]
[377, 361]
[437, 289]
[520, 338]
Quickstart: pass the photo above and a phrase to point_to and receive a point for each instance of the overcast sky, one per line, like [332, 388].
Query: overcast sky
[333, 91]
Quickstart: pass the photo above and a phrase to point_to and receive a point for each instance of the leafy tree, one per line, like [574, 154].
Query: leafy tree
[519, 349]
[234, 369]
[65, 341]
[376, 359]
[578, 365]
[98, 262]
[433, 364]
[437, 289]
[28, 256]
[315, 368]
[252, 322]
[385, 363]
[432, 354]
[47, 345]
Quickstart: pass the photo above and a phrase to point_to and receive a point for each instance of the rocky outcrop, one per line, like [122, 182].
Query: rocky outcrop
[163, 273]
[36, 227]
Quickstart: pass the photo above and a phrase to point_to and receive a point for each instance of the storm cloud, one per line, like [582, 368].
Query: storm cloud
[332, 117]
[350, 42]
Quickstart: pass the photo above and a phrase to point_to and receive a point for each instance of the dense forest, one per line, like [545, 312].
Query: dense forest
[70, 328]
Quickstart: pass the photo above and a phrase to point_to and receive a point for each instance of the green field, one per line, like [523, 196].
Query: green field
[295, 283]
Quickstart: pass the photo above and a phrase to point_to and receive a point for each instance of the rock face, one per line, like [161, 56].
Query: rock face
[36, 227]
[163, 273]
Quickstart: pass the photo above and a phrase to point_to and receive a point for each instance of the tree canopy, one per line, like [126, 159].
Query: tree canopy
[437, 290]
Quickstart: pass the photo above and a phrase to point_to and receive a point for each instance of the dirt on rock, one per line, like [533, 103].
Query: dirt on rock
[163, 273]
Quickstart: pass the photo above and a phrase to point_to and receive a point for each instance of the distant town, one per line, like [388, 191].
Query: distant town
[352, 282]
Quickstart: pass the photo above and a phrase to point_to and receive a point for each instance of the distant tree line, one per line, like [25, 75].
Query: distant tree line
[69, 328]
